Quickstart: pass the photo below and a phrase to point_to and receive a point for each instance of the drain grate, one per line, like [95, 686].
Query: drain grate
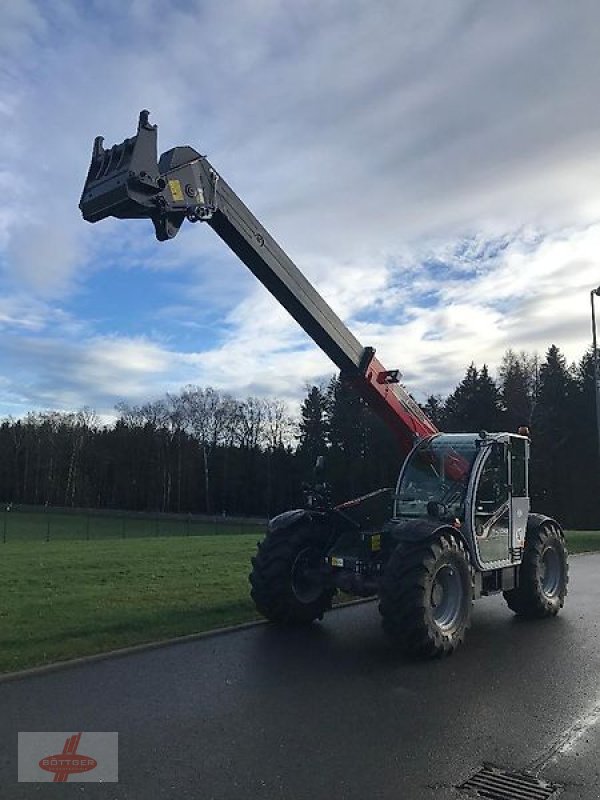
[497, 784]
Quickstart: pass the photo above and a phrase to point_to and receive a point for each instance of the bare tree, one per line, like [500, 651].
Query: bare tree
[251, 423]
[208, 416]
[279, 426]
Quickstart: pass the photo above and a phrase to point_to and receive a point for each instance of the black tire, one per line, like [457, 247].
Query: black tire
[286, 587]
[544, 574]
[426, 596]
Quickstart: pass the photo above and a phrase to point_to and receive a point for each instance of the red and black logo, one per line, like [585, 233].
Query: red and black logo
[69, 762]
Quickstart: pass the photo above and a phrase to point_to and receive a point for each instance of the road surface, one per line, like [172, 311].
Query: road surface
[333, 711]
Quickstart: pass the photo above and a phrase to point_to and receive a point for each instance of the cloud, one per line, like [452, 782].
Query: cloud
[22, 23]
[264, 352]
[434, 173]
[532, 292]
[109, 369]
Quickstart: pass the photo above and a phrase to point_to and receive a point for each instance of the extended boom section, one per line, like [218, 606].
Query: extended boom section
[128, 181]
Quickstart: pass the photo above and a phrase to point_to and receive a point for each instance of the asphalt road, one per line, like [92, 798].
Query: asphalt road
[333, 711]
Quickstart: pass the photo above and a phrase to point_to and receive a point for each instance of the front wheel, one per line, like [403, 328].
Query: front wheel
[288, 585]
[544, 574]
[426, 596]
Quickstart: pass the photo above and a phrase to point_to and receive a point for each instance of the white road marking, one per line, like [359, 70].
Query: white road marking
[579, 729]
[569, 739]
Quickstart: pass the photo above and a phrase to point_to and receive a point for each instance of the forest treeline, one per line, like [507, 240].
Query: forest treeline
[204, 451]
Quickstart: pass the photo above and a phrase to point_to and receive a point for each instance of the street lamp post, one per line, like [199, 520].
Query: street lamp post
[596, 292]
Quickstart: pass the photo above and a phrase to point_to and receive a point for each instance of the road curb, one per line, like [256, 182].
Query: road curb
[121, 652]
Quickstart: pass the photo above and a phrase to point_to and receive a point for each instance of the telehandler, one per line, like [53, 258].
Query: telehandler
[460, 524]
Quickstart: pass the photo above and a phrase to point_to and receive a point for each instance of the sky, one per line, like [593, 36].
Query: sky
[433, 168]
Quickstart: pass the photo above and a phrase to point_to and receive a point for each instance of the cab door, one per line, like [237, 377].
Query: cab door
[492, 506]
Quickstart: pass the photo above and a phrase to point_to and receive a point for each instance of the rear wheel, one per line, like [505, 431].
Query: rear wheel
[543, 576]
[288, 586]
[427, 596]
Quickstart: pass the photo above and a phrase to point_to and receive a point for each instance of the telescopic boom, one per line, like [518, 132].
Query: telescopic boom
[129, 182]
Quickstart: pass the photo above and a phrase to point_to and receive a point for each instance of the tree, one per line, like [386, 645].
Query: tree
[552, 432]
[200, 449]
[434, 408]
[518, 388]
[586, 461]
[475, 403]
[462, 402]
[348, 428]
[279, 425]
[557, 386]
[207, 415]
[313, 426]
[487, 414]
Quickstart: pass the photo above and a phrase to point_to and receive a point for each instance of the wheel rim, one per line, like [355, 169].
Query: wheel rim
[447, 598]
[550, 572]
[306, 580]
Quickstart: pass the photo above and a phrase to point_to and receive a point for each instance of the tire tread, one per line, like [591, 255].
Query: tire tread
[270, 579]
[403, 602]
[527, 600]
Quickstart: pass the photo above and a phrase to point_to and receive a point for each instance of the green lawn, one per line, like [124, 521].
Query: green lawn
[65, 599]
[62, 599]
[582, 541]
[19, 526]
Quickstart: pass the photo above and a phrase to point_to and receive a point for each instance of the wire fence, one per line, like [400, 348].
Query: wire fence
[23, 523]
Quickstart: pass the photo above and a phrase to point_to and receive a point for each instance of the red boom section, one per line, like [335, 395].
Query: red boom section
[402, 414]
[394, 405]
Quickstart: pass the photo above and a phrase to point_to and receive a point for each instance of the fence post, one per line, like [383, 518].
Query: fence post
[5, 523]
[47, 526]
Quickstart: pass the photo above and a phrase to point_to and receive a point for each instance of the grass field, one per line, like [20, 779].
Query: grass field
[66, 599]
[583, 541]
[63, 599]
[21, 525]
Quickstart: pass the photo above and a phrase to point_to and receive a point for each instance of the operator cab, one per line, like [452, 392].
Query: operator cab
[476, 482]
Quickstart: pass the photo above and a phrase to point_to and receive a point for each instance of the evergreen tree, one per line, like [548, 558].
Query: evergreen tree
[517, 388]
[553, 436]
[347, 427]
[434, 408]
[475, 403]
[487, 409]
[584, 446]
[557, 387]
[461, 405]
[313, 425]
[346, 419]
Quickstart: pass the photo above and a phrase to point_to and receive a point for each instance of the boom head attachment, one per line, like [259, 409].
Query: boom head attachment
[129, 182]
